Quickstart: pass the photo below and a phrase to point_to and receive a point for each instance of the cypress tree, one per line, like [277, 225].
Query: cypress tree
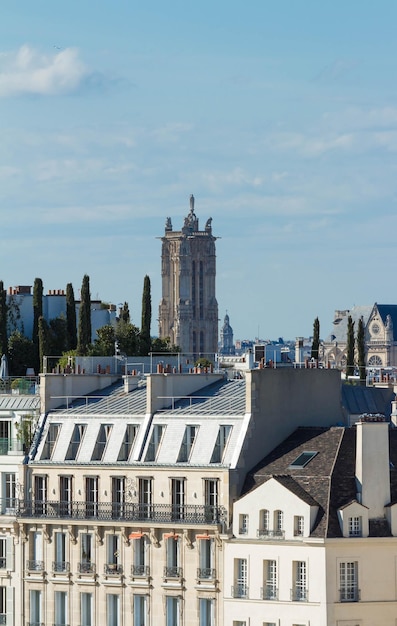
[37, 313]
[146, 318]
[350, 347]
[125, 313]
[71, 327]
[84, 336]
[316, 339]
[3, 321]
[361, 350]
[43, 340]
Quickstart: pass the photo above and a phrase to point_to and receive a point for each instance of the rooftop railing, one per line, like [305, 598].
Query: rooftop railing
[19, 385]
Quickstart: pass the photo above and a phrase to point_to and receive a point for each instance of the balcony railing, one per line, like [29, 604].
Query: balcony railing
[261, 533]
[113, 569]
[299, 594]
[22, 385]
[158, 513]
[239, 591]
[206, 573]
[35, 566]
[349, 594]
[86, 568]
[172, 571]
[60, 567]
[140, 571]
[270, 592]
[10, 445]
[34, 623]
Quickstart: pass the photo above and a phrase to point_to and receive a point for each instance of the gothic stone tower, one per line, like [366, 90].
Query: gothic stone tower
[188, 311]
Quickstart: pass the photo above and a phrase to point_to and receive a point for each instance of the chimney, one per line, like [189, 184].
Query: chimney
[372, 464]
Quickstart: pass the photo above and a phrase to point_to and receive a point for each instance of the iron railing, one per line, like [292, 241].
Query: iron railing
[270, 592]
[35, 566]
[158, 513]
[140, 570]
[349, 594]
[60, 566]
[172, 571]
[240, 591]
[270, 534]
[299, 594]
[86, 567]
[206, 573]
[113, 569]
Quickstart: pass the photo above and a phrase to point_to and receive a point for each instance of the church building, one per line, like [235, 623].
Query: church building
[188, 312]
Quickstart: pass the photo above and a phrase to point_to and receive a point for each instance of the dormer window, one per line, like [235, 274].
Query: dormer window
[187, 444]
[102, 439]
[154, 443]
[220, 444]
[50, 441]
[355, 526]
[75, 442]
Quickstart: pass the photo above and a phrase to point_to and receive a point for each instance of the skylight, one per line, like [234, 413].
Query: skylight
[303, 459]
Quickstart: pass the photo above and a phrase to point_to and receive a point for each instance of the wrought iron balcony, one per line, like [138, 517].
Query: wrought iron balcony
[35, 566]
[206, 573]
[140, 571]
[113, 569]
[60, 566]
[86, 567]
[349, 594]
[299, 594]
[239, 591]
[128, 512]
[261, 533]
[34, 623]
[270, 592]
[172, 571]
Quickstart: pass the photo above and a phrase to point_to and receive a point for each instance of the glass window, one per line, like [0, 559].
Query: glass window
[220, 444]
[240, 589]
[278, 520]
[52, 436]
[140, 610]
[172, 611]
[187, 444]
[101, 442]
[348, 581]
[172, 569]
[65, 495]
[60, 562]
[61, 608]
[355, 526]
[91, 495]
[206, 569]
[178, 498]
[206, 610]
[112, 609]
[86, 609]
[145, 494]
[139, 566]
[299, 592]
[40, 495]
[299, 524]
[3, 605]
[113, 554]
[154, 443]
[75, 442]
[243, 523]
[35, 609]
[3, 552]
[128, 441]
[86, 554]
[10, 492]
[270, 580]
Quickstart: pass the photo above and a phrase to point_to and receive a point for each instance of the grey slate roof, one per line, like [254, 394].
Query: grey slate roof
[112, 400]
[357, 399]
[226, 397]
[339, 329]
[19, 402]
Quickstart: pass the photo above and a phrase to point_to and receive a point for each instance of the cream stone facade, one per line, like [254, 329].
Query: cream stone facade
[188, 311]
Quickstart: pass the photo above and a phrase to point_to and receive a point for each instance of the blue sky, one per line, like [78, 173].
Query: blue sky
[279, 116]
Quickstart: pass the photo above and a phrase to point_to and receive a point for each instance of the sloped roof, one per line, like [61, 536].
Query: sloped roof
[112, 400]
[357, 399]
[339, 329]
[19, 402]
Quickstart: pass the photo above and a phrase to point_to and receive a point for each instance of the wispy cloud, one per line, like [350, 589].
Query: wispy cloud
[27, 71]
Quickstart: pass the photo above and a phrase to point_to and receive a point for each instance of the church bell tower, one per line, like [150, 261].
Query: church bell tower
[188, 312]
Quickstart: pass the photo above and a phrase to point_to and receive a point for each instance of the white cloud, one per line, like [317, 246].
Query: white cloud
[28, 71]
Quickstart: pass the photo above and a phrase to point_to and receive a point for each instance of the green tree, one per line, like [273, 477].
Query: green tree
[361, 350]
[164, 345]
[350, 347]
[37, 313]
[84, 335]
[125, 313]
[104, 343]
[43, 341]
[3, 320]
[127, 336]
[316, 339]
[144, 340]
[57, 338]
[21, 353]
[71, 324]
